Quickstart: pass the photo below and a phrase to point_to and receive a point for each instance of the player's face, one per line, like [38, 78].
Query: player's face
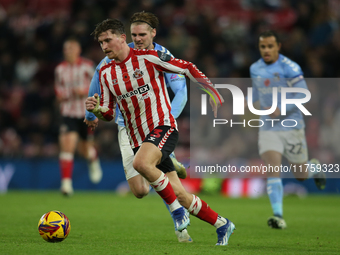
[111, 44]
[71, 51]
[142, 35]
[269, 49]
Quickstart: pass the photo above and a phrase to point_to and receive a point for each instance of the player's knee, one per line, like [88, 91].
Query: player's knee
[140, 191]
[140, 195]
[140, 165]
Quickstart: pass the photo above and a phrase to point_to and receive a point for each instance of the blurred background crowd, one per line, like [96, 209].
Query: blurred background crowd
[219, 36]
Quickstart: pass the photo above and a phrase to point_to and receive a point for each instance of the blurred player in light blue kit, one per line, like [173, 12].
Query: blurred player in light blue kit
[143, 31]
[276, 140]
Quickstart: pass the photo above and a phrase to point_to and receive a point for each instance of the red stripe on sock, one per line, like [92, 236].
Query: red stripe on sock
[167, 194]
[207, 214]
[66, 168]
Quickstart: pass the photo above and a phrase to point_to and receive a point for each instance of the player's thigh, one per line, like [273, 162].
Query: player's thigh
[68, 141]
[155, 151]
[158, 145]
[270, 141]
[85, 144]
[147, 155]
[296, 150]
[69, 134]
[165, 138]
[271, 148]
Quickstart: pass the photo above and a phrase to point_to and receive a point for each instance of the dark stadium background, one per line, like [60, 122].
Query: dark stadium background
[219, 36]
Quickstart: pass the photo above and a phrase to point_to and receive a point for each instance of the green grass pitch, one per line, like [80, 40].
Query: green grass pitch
[106, 223]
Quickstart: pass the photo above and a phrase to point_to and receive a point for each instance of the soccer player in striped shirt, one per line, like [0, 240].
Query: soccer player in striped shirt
[143, 31]
[135, 80]
[72, 81]
[276, 140]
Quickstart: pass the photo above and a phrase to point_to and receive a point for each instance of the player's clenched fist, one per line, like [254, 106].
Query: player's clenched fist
[91, 102]
[102, 112]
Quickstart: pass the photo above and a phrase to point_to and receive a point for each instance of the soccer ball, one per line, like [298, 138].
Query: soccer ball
[54, 226]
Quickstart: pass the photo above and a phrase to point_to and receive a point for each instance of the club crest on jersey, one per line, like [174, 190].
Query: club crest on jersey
[138, 74]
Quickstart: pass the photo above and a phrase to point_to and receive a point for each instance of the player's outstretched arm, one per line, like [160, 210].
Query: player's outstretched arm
[166, 63]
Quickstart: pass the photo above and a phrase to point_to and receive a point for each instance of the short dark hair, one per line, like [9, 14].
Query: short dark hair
[116, 27]
[269, 33]
[145, 17]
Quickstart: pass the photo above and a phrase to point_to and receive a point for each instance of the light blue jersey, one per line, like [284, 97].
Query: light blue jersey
[176, 82]
[283, 73]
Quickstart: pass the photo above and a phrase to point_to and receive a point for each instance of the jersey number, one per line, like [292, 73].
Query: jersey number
[295, 148]
[156, 133]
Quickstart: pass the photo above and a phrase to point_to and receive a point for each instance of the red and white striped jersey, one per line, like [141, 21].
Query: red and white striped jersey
[69, 77]
[138, 86]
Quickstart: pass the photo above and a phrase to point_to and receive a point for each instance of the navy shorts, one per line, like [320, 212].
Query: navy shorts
[165, 138]
[74, 124]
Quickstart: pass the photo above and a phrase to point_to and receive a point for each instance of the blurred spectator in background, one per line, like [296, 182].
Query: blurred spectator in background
[72, 81]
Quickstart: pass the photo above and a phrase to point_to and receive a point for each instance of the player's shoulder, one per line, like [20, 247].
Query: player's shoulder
[104, 62]
[291, 68]
[86, 61]
[105, 65]
[256, 65]
[143, 52]
[154, 54]
[161, 48]
[62, 65]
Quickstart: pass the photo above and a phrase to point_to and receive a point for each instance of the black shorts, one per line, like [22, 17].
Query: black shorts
[74, 124]
[165, 138]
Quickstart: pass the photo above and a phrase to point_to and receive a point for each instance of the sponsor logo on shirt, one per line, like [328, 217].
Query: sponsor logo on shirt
[139, 91]
[265, 90]
[145, 95]
[176, 77]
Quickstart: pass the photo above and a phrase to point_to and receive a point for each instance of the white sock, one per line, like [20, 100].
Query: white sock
[174, 206]
[195, 205]
[220, 222]
[160, 183]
